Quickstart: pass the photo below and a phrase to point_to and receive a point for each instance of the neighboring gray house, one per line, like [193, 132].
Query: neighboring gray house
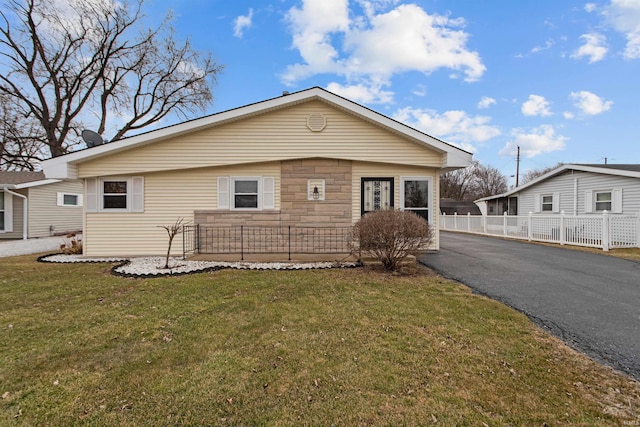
[575, 189]
[32, 206]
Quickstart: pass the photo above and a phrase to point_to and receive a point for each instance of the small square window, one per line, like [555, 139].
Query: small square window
[70, 200]
[114, 195]
[547, 203]
[245, 193]
[603, 201]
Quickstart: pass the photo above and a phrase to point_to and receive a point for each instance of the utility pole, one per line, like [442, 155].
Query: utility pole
[517, 166]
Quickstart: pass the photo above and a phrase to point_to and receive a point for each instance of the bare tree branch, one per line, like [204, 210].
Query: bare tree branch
[68, 65]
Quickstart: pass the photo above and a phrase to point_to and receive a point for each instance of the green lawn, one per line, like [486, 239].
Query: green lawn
[329, 347]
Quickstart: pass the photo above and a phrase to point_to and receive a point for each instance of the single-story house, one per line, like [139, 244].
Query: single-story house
[32, 206]
[309, 158]
[575, 189]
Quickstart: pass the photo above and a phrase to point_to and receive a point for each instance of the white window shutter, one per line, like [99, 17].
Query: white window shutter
[616, 205]
[137, 194]
[91, 192]
[268, 193]
[537, 205]
[60, 199]
[8, 212]
[588, 201]
[80, 199]
[223, 192]
[556, 202]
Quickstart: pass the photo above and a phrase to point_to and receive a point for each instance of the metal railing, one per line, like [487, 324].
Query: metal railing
[244, 240]
[599, 231]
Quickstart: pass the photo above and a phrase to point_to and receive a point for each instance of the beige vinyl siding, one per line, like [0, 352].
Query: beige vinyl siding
[277, 135]
[382, 170]
[44, 211]
[18, 218]
[167, 197]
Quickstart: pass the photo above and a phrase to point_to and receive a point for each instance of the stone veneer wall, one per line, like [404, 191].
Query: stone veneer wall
[295, 209]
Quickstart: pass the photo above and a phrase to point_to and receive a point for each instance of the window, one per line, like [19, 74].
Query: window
[246, 192]
[125, 194]
[603, 201]
[376, 194]
[66, 199]
[1, 210]
[547, 203]
[415, 196]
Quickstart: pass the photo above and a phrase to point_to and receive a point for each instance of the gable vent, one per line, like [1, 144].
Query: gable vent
[316, 122]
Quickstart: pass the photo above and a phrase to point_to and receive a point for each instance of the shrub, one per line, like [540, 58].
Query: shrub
[172, 231]
[72, 244]
[391, 235]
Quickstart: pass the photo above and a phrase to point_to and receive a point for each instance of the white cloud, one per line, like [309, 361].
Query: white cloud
[594, 47]
[624, 16]
[241, 23]
[452, 126]
[536, 106]
[568, 115]
[366, 94]
[542, 139]
[590, 7]
[590, 103]
[485, 102]
[420, 90]
[332, 39]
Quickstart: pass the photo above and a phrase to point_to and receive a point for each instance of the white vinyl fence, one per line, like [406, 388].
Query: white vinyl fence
[598, 231]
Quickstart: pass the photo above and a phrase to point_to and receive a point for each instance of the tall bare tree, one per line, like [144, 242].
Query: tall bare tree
[472, 183]
[532, 174]
[66, 65]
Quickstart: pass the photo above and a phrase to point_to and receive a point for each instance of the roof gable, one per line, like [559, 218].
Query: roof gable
[628, 170]
[19, 177]
[66, 166]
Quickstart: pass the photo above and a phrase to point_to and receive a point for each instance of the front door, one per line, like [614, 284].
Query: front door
[376, 194]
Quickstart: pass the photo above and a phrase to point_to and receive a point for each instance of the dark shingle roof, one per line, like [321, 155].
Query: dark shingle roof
[19, 177]
[627, 167]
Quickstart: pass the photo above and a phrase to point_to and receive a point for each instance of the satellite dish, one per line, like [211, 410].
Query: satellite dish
[92, 138]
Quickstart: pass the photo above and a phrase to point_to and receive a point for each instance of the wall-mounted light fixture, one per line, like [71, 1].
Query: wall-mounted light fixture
[315, 189]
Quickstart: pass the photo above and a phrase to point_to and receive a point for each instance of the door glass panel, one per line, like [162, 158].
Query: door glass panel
[377, 194]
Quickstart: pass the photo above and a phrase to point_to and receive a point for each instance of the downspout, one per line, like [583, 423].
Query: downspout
[25, 211]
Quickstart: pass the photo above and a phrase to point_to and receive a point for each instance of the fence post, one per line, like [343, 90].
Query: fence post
[289, 242]
[469, 221]
[530, 227]
[198, 237]
[242, 243]
[455, 221]
[605, 231]
[484, 223]
[561, 231]
[638, 231]
[443, 221]
[504, 224]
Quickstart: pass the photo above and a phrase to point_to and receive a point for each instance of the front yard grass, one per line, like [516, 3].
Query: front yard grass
[326, 347]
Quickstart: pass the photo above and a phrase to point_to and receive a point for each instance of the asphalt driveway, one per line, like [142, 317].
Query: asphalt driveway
[591, 301]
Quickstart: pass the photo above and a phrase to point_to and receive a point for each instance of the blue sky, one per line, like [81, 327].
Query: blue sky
[561, 79]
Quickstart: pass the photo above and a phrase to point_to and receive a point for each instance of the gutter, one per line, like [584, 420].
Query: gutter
[25, 211]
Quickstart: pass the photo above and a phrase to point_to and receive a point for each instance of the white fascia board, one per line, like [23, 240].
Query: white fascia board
[606, 171]
[37, 183]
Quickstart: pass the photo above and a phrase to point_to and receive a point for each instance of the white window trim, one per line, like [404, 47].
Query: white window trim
[61, 196]
[266, 192]
[94, 194]
[595, 201]
[542, 203]
[429, 180]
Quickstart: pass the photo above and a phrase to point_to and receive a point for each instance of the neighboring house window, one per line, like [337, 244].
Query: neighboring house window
[603, 201]
[600, 201]
[125, 194]
[1, 210]
[376, 194]
[547, 203]
[414, 195]
[246, 193]
[66, 199]
[6, 212]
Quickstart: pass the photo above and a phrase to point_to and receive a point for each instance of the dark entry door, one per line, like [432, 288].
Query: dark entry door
[376, 194]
